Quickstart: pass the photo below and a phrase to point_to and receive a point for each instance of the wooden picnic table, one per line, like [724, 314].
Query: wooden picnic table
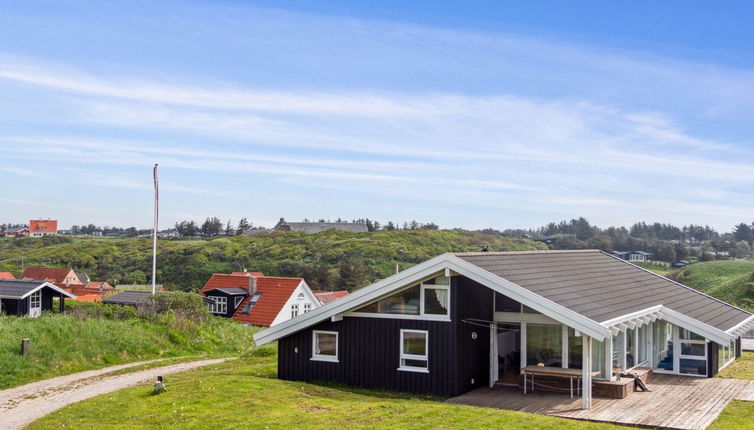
[555, 371]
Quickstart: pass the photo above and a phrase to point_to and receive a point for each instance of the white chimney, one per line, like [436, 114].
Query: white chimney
[252, 285]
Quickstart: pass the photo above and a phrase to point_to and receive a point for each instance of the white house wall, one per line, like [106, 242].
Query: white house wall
[308, 297]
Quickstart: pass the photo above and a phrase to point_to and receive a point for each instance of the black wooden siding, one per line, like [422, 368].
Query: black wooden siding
[712, 361]
[369, 350]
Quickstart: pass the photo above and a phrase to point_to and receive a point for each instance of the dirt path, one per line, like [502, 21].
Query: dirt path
[21, 405]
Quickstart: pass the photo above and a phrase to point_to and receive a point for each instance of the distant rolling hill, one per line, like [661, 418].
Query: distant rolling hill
[327, 260]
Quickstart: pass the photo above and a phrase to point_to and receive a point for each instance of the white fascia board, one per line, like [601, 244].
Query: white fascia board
[528, 298]
[632, 315]
[743, 324]
[47, 284]
[308, 291]
[365, 295]
[698, 327]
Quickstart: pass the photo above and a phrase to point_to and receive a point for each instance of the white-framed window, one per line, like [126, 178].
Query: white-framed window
[35, 300]
[427, 300]
[325, 345]
[294, 310]
[693, 353]
[725, 355]
[219, 305]
[307, 307]
[237, 301]
[414, 351]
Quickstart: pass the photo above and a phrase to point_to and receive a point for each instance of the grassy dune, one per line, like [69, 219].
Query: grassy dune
[731, 281]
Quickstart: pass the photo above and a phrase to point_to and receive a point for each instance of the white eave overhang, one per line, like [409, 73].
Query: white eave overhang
[645, 316]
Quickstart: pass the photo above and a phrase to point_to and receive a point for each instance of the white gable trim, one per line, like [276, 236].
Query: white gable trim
[39, 287]
[742, 327]
[423, 270]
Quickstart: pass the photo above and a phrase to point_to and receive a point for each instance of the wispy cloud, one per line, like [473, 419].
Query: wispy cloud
[517, 125]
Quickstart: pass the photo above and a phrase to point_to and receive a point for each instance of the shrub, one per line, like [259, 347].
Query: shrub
[184, 306]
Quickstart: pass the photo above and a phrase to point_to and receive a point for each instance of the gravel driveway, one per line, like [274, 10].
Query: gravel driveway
[22, 405]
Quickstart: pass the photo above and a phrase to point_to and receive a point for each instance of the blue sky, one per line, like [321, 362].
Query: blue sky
[502, 114]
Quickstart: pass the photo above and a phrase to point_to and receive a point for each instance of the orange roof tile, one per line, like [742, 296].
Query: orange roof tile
[249, 274]
[6, 275]
[274, 290]
[326, 297]
[43, 226]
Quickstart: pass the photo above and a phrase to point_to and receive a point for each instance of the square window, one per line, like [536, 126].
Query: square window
[414, 351]
[435, 300]
[324, 345]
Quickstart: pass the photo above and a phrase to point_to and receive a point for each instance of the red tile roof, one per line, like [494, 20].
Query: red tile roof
[6, 275]
[43, 226]
[249, 274]
[275, 292]
[326, 297]
[50, 274]
[99, 285]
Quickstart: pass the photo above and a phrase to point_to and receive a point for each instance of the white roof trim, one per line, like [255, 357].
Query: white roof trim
[714, 334]
[742, 326]
[632, 315]
[38, 287]
[415, 274]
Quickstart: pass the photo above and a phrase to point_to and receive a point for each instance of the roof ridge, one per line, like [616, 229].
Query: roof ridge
[540, 251]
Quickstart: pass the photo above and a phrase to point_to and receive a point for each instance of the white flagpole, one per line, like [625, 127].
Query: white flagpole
[154, 232]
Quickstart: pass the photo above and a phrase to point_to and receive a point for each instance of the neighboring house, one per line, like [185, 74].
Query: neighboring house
[316, 227]
[170, 233]
[62, 277]
[41, 227]
[29, 298]
[92, 291]
[681, 263]
[6, 275]
[83, 277]
[326, 297]
[128, 298]
[255, 299]
[640, 256]
[17, 231]
[463, 321]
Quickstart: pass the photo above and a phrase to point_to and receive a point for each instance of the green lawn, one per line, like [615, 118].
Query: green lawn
[663, 269]
[63, 344]
[245, 394]
[738, 415]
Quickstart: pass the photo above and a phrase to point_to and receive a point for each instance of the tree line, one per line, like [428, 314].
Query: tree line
[666, 242]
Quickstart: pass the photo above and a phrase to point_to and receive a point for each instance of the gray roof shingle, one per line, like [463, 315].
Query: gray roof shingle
[602, 287]
[17, 287]
[128, 297]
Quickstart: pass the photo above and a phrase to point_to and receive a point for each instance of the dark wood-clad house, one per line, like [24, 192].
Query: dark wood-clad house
[459, 322]
[30, 298]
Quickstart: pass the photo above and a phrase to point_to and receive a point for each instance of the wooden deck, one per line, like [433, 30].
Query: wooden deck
[675, 402]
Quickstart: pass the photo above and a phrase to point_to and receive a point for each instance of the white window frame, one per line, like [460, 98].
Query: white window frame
[294, 310]
[307, 307]
[403, 356]
[319, 357]
[422, 315]
[728, 357]
[422, 290]
[220, 302]
[238, 301]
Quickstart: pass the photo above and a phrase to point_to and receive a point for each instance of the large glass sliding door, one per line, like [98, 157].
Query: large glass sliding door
[679, 350]
[663, 346]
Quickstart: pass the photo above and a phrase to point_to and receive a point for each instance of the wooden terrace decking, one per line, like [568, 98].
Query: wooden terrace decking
[675, 402]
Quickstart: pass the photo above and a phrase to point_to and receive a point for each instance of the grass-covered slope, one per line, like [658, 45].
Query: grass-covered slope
[331, 259]
[245, 394]
[63, 344]
[731, 281]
